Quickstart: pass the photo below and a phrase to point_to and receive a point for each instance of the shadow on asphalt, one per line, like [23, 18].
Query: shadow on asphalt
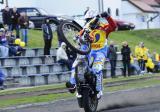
[117, 106]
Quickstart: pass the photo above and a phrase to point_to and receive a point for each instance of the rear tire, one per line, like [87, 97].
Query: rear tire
[90, 102]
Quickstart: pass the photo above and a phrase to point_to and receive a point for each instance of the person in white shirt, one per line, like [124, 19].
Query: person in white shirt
[62, 56]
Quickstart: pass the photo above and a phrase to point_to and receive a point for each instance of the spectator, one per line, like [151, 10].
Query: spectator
[134, 67]
[17, 48]
[3, 39]
[24, 24]
[47, 36]
[126, 58]
[112, 55]
[2, 78]
[144, 56]
[71, 54]
[62, 56]
[15, 25]
[156, 61]
[150, 66]
[139, 56]
[6, 16]
[3, 44]
[10, 37]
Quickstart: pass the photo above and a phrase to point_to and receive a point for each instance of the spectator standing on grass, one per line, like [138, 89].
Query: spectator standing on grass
[112, 55]
[125, 51]
[2, 78]
[139, 56]
[14, 17]
[156, 61]
[62, 56]
[24, 24]
[144, 55]
[47, 36]
[6, 16]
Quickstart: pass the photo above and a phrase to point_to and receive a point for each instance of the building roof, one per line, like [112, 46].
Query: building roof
[144, 5]
[158, 1]
[152, 2]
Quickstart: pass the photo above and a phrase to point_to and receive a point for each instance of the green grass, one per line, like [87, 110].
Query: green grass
[33, 89]
[52, 97]
[36, 39]
[151, 38]
[138, 84]
[33, 99]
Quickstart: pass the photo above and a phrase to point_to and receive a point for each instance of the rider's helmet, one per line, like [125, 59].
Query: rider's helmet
[91, 13]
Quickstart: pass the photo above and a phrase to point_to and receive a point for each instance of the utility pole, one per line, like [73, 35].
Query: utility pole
[102, 3]
[100, 6]
[6, 2]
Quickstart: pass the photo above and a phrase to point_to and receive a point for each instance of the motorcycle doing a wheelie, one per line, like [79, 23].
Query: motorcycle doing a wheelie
[84, 77]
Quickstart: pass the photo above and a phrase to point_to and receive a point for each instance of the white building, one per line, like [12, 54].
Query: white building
[140, 13]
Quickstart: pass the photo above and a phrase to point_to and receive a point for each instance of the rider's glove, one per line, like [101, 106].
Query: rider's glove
[104, 14]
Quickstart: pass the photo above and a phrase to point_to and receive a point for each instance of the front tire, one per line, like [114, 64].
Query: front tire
[90, 102]
[67, 31]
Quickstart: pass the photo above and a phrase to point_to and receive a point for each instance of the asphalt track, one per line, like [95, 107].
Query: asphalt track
[139, 100]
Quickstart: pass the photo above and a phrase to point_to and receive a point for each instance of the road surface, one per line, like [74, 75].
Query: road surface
[139, 100]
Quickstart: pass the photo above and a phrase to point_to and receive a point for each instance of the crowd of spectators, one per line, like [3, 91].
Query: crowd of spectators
[10, 42]
[13, 20]
[139, 62]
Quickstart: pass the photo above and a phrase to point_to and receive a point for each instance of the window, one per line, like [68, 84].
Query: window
[1, 1]
[32, 12]
[109, 11]
[117, 12]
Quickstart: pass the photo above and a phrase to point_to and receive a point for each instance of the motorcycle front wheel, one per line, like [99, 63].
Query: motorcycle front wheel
[68, 32]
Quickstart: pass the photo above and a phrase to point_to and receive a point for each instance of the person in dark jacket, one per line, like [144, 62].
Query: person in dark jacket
[112, 55]
[6, 16]
[47, 35]
[125, 51]
[14, 17]
[24, 24]
[2, 78]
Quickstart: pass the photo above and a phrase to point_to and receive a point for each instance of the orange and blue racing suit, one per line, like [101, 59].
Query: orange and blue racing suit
[98, 51]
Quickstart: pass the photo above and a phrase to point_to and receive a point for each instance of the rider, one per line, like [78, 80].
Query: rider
[98, 34]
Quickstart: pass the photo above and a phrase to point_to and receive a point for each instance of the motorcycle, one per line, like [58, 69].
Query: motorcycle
[85, 79]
